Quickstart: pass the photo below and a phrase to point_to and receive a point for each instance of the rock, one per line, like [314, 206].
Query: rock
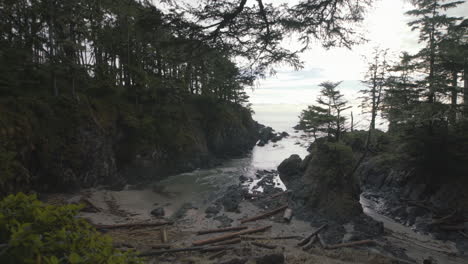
[235, 261]
[224, 220]
[284, 134]
[276, 258]
[158, 212]
[324, 186]
[261, 143]
[289, 167]
[415, 211]
[242, 178]
[213, 209]
[231, 199]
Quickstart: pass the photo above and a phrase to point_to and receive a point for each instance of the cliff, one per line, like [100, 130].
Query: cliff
[52, 144]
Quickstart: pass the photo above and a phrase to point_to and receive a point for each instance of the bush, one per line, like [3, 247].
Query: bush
[32, 232]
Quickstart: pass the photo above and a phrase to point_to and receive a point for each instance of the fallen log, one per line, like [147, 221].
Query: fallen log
[443, 220]
[89, 206]
[264, 215]
[229, 236]
[322, 242]
[452, 227]
[311, 244]
[176, 250]
[263, 245]
[229, 242]
[351, 244]
[163, 235]
[278, 195]
[269, 238]
[161, 246]
[307, 239]
[220, 230]
[217, 255]
[463, 234]
[287, 214]
[138, 225]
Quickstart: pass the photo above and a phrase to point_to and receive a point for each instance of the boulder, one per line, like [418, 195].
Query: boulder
[290, 166]
[158, 212]
[276, 258]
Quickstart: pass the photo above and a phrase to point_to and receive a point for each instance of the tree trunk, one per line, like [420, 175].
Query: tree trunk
[453, 110]
[465, 90]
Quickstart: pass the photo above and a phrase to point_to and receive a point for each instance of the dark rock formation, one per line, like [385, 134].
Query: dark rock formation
[158, 212]
[324, 185]
[290, 166]
[62, 144]
[276, 258]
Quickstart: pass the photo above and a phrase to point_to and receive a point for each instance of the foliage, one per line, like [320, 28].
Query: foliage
[326, 117]
[32, 232]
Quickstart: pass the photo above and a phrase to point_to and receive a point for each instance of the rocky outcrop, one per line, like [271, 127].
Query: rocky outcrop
[290, 168]
[322, 184]
[267, 134]
[52, 144]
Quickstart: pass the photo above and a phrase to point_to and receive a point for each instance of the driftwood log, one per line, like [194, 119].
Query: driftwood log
[176, 250]
[269, 238]
[164, 235]
[351, 244]
[311, 243]
[307, 239]
[229, 236]
[278, 195]
[217, 255]
[137, 225]
[220, 230]
[264, 215]
[287, 214]
[263, 245]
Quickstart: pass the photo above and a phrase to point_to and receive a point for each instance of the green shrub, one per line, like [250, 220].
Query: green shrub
[32, 232]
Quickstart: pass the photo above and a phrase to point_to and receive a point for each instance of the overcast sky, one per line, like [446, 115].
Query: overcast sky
[385, 27]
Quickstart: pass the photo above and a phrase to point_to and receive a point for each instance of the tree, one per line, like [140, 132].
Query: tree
[431, 23]
[375, 80]
[327, 116]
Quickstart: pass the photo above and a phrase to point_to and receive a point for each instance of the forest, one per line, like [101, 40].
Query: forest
[127, 135]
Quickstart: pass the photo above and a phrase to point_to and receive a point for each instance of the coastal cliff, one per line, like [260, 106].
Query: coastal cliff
[51, 144]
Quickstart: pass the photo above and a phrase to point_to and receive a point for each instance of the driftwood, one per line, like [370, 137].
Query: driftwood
[263, 245]
[220, 230]
[163, 235]
[217, 255]
[311, 244]
[422, 205]
[287, 214]
[264, 215]
[351, 244]
[269, 238]
[443, 220]
[89, 206]
[139, 225]
[278, 195]
[322, 242]
[161, 246]
[229, 236]
[307, 239]
[229, 242]
[463, 234]
[176, 250]
[452, 227]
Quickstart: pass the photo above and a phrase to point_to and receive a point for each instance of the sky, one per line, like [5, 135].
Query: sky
[385, 27]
